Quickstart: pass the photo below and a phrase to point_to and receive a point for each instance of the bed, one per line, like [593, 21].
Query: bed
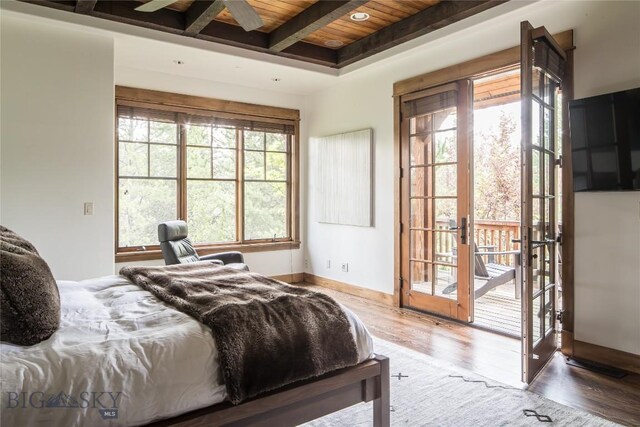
[123, 357]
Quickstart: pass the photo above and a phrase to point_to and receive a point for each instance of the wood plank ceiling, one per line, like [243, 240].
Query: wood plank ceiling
[317, 31]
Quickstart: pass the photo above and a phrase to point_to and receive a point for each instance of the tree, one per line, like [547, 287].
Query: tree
[497, 172]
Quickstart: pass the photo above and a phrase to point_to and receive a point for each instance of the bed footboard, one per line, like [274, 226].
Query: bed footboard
[303, 401]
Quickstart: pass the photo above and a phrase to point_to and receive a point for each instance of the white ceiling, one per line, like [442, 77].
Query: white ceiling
[147, 54]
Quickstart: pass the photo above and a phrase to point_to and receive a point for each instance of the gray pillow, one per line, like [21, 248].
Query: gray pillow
[29, 297]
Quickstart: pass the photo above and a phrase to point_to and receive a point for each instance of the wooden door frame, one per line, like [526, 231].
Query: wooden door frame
[458, 308]
[548, 344]
[474, 68]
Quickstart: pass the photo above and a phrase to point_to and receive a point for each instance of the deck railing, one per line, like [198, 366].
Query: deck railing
[497, 235]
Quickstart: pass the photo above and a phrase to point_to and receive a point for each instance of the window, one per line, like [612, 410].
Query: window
[230, 176]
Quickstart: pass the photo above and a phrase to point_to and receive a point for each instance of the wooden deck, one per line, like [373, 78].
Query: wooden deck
[499, 311]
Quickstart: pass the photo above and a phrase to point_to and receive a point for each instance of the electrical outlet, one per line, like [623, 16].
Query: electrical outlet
[88, 208]
[345, 267]
[306, 262]
[328, 263]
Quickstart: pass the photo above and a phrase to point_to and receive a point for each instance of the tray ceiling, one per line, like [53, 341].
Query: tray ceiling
[320, 32]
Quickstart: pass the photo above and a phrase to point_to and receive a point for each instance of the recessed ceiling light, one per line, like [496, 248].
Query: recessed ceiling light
[178, 62]
[275, 79]
[359, 16]
[333, 43]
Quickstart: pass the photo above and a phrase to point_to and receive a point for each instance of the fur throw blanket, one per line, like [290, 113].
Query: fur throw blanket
[29, 297]
[268, 333]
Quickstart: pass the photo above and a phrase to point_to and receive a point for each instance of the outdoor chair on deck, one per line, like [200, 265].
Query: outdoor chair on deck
[491, 274]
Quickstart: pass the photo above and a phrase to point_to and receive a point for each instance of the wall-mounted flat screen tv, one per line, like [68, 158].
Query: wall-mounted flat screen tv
[605, 141]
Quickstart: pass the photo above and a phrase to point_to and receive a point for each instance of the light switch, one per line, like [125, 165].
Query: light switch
[88, 208]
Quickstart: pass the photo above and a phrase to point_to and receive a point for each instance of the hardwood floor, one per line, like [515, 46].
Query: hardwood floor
[498, 357]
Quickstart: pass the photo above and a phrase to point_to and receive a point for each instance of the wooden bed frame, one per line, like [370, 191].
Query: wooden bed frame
[303, 401]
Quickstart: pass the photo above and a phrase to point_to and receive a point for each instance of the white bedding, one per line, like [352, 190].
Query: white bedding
[115, 337]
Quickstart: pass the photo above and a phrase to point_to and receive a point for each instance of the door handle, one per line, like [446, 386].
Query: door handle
[463, 230]
[539, 243]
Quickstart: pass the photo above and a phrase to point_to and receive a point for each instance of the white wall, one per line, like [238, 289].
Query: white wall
[57, 135]
[57, 144]
[268, 263]
[607, 274]
[607, 58]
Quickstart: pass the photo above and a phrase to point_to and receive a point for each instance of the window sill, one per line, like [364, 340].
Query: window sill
[206, 250]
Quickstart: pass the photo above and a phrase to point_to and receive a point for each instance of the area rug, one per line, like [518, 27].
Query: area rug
[428, 392]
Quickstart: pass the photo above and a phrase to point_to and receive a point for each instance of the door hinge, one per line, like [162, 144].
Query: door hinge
[401, 172]
[560, 316]
[401, 228]
[558, 161]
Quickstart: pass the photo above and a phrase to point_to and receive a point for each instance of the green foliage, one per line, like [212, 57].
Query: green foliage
[163, 132]
[164, 160]
[276, 142]
[277, 166]
[265, 206]
[224, 163]
[497, 172]
[211, 210]
[198, 135]
[198, 162]
[223, 137]
[143, 204]
[254, 165]
[132, 159]
[253, 140]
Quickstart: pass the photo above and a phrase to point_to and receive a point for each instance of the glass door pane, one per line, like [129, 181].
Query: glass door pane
[433, 203]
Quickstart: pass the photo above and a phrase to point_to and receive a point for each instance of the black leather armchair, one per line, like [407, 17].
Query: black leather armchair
[178, 249]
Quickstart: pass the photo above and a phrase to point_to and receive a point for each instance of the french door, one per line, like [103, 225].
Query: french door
[435, 134]
[542, 72]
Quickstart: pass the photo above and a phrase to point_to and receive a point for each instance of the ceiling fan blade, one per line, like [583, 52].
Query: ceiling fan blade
[244, 14]
[154, 5]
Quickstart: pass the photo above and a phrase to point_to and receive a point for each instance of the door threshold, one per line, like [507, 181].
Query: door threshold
[460, 322]
[494, 331]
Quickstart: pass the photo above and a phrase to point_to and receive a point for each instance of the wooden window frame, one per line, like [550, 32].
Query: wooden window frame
[475, 68]
[187, 104]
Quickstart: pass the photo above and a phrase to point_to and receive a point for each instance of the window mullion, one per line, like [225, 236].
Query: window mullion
[264, 156]
[148, 149]
[240, 185]
[288, 176]
[211, 150]
[182, 171]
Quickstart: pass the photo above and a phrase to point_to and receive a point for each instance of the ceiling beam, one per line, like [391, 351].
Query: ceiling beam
[234, 35]
[200, 14]
[85, 6]
[174, 22]
[309, 20]
[68, 6]
[124, 11]
[424, 22]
